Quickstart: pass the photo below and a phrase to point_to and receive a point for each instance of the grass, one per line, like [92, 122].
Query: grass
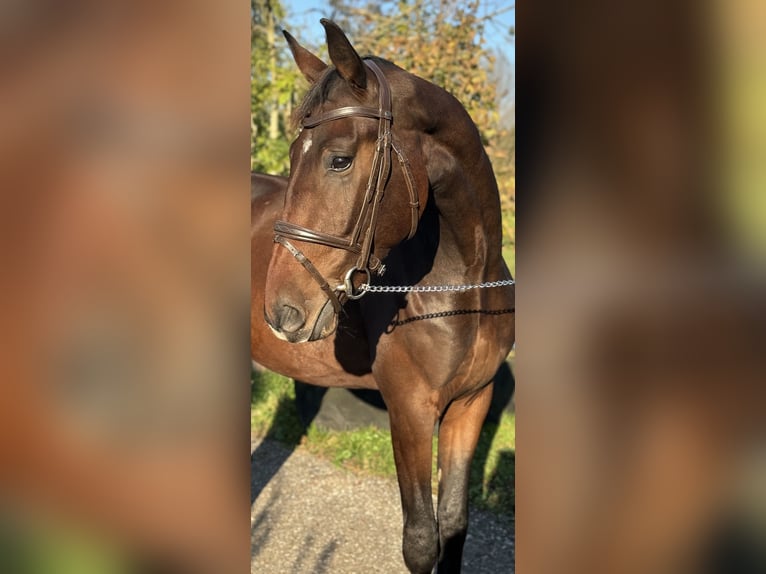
[509, 238]
[493, 473]
[272, 408]
[368, 450]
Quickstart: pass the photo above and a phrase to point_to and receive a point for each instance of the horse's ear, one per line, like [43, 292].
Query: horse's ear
[342, 53]
[310, 66]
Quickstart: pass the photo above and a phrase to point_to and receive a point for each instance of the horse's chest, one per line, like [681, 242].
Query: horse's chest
[450, 360]
[477, 365]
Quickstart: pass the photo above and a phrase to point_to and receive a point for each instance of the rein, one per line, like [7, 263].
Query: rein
[367, 288]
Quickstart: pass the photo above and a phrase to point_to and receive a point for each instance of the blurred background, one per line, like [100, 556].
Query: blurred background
[640, 355]
[125, 290]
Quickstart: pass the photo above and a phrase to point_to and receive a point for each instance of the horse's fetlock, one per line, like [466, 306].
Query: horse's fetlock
[420, 547]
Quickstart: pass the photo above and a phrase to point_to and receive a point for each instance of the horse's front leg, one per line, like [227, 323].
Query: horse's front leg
[458, 436]
[413, 417]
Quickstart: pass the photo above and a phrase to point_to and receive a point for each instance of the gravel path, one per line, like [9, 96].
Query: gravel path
[310, 517]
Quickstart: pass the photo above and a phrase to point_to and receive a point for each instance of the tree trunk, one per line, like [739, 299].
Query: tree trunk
[271, 40]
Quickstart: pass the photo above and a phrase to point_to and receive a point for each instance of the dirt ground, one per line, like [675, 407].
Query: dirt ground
[310, 517]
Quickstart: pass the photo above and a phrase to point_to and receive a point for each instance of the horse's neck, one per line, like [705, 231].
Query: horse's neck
[465, 194]
[460, 233]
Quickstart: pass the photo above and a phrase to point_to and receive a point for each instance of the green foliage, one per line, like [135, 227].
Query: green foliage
[274, 83]
[271, 156]
[272, 408]
[492, 483]
[367, 449]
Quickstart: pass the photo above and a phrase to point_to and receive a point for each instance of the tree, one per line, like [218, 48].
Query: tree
[274, 83]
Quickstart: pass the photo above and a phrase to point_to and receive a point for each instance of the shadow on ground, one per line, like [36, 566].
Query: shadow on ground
[288, 429]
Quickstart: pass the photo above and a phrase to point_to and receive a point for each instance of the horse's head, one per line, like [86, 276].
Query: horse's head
[352, 194]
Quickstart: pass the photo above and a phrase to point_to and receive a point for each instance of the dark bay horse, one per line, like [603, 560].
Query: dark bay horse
[390, 187]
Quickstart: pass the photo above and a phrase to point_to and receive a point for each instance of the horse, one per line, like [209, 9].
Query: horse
[386, 272]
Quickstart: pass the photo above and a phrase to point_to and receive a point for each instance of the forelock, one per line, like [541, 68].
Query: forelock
[316, 96]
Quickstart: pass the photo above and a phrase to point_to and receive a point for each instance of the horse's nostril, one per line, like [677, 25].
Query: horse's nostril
[290, 319]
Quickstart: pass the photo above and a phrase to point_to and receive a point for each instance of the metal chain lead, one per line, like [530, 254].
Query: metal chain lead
[432, 288]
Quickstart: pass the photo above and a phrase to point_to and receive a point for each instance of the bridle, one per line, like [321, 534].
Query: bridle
[361, 239]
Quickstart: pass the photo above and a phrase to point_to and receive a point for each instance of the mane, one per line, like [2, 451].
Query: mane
[319, 92]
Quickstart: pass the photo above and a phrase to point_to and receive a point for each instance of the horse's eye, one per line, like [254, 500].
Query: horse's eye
[340, 163]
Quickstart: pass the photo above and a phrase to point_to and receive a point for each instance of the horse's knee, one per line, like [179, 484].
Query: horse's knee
[420, 546]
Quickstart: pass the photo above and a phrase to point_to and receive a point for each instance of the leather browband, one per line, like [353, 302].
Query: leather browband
[356, 111]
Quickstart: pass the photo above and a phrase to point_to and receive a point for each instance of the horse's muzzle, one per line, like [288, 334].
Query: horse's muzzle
[290, 323]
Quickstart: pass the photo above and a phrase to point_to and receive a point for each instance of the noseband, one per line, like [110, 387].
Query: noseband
[361, 239]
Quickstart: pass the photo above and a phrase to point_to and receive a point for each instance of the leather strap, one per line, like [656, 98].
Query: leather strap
[299, 233]
[313, 271]
[356, 111]
[292, 231]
